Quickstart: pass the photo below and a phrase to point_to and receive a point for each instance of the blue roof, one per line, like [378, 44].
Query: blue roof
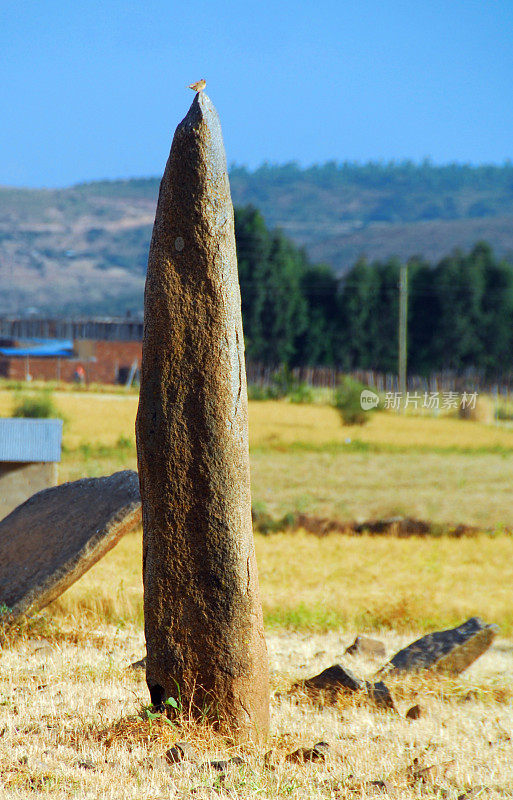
[50, 348]
[30, 440]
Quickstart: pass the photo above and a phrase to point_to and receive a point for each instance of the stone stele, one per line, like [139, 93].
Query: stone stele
[203, 618]
[49, 541]
[448, 652]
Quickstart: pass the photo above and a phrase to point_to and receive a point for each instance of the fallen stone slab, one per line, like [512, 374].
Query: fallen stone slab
[365, 646]
[448, 652]
[49, 541]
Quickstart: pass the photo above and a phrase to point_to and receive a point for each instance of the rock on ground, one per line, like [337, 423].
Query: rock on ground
[365, 646]
[332, 679]
[49, 541]
[379, 693]
[449, 651]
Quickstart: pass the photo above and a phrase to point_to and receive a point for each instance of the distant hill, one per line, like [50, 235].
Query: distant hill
[339, 212]
[84, 248]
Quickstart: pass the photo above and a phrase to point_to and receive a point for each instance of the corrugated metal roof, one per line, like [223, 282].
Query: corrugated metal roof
[51, 348]
[30, 440]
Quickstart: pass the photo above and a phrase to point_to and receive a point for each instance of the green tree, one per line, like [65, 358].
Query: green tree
[496, 330]
[458, 282]
[316, 345]
[356, 302]
[423, 316]
[283, 312]
[383, 323]
[253, 247]
[273, 306]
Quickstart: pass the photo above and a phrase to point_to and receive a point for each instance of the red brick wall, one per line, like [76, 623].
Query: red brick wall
[109, 358]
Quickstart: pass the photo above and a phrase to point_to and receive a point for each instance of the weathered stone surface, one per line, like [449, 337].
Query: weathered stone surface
[449, 651]
[203, 618]
[415, 712]
[365, 646]
[141, 664]
[303, 754]
[181, 751]
[49, 541]
[379, 693]
[335, 678]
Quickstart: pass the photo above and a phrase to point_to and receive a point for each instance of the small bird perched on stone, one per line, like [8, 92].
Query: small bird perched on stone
[198, 86]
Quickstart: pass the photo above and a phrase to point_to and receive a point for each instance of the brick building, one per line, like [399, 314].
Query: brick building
[33, 350]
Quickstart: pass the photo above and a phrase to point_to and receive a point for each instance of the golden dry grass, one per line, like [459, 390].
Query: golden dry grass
[353, 583]
[72, 718]
[102, 417]
[445, 469]
[446, 488]
[73, 724]
[278, 423]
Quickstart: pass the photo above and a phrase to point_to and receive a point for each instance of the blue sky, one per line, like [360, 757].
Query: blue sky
[95, 89]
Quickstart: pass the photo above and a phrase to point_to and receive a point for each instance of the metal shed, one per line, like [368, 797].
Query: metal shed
[30, 450]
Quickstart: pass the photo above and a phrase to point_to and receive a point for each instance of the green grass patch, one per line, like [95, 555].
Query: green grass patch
[395, 616]
[358, 446]
[318, 618]
[88, 450]
[36, 405]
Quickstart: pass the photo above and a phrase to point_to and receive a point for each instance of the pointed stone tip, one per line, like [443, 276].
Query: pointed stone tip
[199, 106]
[202, 120]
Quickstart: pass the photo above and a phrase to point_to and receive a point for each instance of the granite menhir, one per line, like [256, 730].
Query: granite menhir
[202, 610]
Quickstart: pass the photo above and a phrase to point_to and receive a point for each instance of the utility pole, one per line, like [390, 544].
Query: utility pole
[403, 327]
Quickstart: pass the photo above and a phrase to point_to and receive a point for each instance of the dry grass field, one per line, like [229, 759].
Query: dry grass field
[443, 469]
[74, 717]
[338, 582]
[75, 724]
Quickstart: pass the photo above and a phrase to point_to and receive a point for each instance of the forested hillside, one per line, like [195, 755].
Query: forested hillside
[340, 212]
[84, 248]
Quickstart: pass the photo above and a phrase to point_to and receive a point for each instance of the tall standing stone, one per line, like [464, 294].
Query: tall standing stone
[203, 617]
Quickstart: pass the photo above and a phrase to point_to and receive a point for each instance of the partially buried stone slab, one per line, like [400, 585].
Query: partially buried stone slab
[49, 541]
[449, 651]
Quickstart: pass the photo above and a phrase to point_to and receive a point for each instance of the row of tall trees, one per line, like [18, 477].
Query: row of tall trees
[460, 312]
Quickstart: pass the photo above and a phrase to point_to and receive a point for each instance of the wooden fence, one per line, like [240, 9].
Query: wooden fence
[328, 378]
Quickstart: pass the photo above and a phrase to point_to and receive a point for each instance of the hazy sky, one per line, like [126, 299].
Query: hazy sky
[95, 89]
